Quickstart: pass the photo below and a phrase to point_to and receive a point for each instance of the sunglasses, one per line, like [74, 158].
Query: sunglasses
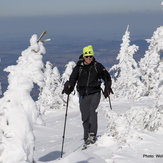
[88, 56]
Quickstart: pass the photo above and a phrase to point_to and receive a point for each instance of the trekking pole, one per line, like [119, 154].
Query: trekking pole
[109, 99]
[108, 93]
[64, 126]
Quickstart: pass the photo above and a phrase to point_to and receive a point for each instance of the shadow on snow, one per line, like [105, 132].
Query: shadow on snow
[85, 161]
[50, 156]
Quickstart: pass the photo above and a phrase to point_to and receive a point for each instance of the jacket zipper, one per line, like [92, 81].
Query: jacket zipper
[88, 80]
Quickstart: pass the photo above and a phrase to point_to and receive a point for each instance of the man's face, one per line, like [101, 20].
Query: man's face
[88, 59]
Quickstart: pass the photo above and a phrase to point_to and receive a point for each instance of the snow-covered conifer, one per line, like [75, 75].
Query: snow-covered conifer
[17, 109]
[0, 84]
[61, 98]
[68, 71]
[126, 126]
[159, 87]
[148, 64]
[0, 89]
[47, 96]
[144, 118]
[127, 73]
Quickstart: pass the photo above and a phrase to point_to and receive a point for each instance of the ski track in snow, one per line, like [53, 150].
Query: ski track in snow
[49, 139]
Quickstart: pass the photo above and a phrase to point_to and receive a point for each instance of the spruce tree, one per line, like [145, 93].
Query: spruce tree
[46, 99]
[126, 72]
[150, 62]
[61, 99]
[159, 87]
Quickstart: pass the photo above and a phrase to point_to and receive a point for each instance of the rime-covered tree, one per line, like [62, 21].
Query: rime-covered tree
[61, 98]
[0, 89]
[0, 84]
[18, 111]
[126, 72]
[47, 96]
[57, 80]
[67, 73]
[124, 127]
[149, 64]
[159, 86]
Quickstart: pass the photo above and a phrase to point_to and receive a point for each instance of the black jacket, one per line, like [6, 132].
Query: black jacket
[88, 77]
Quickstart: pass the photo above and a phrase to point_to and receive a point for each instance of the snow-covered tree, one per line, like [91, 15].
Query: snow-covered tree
[67, 73]
[159, 86]
[0, 84]
[47, 96]
[17, 109]
[127, 73]
[62, 98]
[148, 64]
[0, 89]
[125, 127]
[51, 96]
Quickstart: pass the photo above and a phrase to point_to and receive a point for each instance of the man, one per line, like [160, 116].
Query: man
[88, 74]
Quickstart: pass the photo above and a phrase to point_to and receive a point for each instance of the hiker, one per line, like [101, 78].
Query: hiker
[88, 74]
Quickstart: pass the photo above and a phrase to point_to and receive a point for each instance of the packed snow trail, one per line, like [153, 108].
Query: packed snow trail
[106, 150]
[49, 137]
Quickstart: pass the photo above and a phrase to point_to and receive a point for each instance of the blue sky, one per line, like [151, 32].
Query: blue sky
[94, 18]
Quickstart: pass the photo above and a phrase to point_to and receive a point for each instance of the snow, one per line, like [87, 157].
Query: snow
[140, 146]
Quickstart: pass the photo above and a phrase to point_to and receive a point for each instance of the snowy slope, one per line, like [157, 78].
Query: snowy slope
[143, 147]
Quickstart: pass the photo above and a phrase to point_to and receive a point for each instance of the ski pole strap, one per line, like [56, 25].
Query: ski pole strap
[108, 92]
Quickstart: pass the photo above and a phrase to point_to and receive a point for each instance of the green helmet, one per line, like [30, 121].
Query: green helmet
[88, 51]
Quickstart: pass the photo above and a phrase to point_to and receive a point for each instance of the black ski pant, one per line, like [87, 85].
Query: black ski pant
[88, 106]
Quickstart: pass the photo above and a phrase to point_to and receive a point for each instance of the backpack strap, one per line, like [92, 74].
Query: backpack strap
[95, 67]
[80, 69]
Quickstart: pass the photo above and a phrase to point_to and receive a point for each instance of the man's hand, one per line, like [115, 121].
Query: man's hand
[107, 91]
[67, 88]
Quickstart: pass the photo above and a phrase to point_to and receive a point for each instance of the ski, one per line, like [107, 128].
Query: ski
[41, 36]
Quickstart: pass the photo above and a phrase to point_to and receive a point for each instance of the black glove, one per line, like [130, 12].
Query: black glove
[107, 92]
[67, 88]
